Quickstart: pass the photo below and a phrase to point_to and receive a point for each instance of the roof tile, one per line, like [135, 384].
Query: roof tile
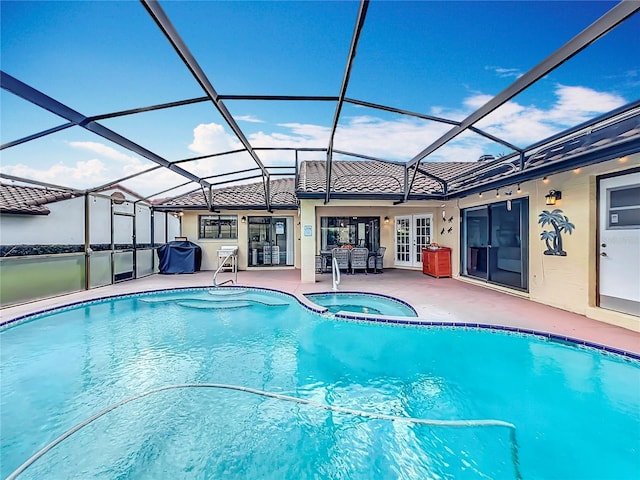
[24, 200]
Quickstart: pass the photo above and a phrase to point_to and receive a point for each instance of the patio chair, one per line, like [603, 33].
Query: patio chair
[321, 263]
[359, 257]
[376, 261]
[342, 256]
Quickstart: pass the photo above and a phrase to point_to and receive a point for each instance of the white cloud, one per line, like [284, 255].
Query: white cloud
[249, 118]
[211, 138]
[525, 124]
[91, 172]
[505, 72]
[387, 139]
[577, 104]
[104, 151]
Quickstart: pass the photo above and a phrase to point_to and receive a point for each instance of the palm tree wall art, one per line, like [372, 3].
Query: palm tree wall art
[553, 238]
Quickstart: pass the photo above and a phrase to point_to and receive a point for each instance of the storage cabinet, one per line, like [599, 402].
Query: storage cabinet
[436, 263]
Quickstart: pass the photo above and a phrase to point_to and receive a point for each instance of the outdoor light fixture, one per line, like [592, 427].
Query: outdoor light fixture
[552, 196]
[519, 190]
[386, 219]
[480, 194]
[243, 219]
[497, 193]
[545, 180]
[444, 215]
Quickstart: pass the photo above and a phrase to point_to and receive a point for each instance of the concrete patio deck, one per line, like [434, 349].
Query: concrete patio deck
[441, 300]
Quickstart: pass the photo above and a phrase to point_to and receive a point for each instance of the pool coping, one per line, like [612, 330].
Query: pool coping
[354, 292]
[349, 316]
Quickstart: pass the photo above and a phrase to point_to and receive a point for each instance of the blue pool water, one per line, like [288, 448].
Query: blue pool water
[576, 411]
[368, 303]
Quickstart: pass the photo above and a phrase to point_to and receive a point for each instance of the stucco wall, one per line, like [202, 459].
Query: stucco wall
[568, 282]
[313, 210]
[65, 224]
[210, 247]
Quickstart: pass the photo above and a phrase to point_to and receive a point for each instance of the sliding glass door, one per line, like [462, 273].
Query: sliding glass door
[495, 243]
[270, 241]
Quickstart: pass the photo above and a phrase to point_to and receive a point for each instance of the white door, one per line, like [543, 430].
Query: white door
[412, 234]
[619, 248]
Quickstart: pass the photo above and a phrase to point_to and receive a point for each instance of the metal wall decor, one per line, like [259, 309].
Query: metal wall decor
[553, 238]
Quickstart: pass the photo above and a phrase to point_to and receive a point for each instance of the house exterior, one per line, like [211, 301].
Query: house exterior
[558, 223]
[581, 254]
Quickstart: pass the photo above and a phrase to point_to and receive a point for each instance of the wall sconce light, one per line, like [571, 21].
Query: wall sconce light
[519, 190]
[243, 219]
[386, 219]
[480, 194]
[553, 196]
[444, 215]
[545, 180]
[497, 193]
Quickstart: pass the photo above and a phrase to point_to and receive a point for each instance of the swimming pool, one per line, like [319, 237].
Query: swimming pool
[368, 303]
[574, 412]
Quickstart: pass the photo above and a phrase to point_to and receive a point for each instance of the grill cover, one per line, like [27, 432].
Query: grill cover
[180, 256]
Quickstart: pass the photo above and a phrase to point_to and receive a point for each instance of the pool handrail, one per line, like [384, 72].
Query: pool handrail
[221, 266]
[335, 273]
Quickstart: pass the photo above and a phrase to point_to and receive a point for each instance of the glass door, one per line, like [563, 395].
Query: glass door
[412, 234]
[421, 236]
[270, 241]
[403, 240]
[495, 243]
[476, 239]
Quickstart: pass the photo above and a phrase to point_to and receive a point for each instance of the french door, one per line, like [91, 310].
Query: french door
[495, 242]
[412, 234]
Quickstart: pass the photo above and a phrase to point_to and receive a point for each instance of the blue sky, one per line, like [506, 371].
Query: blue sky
[438, 58]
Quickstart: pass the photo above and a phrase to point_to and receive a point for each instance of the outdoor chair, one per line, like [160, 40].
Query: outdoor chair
[359, 257]
[342, 256]
[376, 261]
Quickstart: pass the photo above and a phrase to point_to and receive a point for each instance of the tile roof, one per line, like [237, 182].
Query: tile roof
[373, 177]
[237, 196]
[24, 200]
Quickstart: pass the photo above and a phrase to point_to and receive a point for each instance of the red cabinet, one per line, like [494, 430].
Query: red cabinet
[436, 263]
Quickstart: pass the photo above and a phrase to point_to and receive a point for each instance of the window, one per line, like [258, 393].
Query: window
[218, 226]
[624, 208]
[354, 231]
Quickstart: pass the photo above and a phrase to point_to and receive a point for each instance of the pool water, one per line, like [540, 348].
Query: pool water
[576, 412]
[368, 303]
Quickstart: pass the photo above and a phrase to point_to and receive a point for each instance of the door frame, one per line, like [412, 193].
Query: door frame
[493, 245]
[608, 302]
[415, 254]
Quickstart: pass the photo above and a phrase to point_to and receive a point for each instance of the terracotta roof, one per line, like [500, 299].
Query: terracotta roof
[362, 177]
[241, 196]
[23, 200]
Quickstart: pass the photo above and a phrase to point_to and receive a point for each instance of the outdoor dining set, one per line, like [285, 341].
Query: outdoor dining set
[351, 259]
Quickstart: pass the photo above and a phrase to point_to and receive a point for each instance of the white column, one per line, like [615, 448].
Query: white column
[308, 249]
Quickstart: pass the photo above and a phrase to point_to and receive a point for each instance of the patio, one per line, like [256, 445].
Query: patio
[436, 300]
